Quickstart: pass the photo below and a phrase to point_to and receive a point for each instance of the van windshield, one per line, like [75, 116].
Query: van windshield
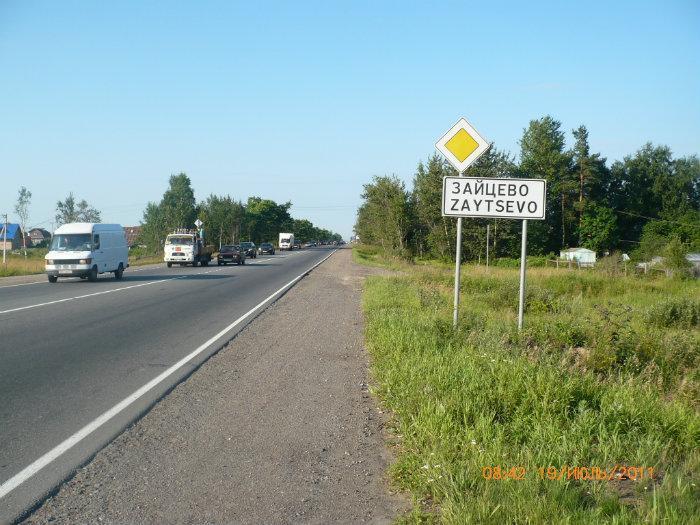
[71, 242]
[178, 240]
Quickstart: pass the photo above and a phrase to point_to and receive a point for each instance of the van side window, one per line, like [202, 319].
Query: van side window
[96, 243]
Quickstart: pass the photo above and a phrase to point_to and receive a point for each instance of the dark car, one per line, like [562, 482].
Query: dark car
[297, 245]
[249, 249]
[266, 248]
[230, 254]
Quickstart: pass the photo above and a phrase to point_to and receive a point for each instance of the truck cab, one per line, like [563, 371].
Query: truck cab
[185, 247]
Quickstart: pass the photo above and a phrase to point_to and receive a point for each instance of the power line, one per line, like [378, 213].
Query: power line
[656, 219]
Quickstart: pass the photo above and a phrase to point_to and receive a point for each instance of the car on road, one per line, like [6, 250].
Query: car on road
[249, 249]
[309, 244]
[266, 248]
[297, 245]
[230, 253]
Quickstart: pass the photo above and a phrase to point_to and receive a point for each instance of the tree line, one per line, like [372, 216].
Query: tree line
[638, 205]
[225, 219]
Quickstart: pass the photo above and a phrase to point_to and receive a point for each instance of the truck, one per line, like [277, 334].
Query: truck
[286, 241]
[87, 249]
[185, 246]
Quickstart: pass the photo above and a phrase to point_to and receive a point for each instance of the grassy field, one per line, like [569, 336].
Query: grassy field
[604, 374]
[34, 263]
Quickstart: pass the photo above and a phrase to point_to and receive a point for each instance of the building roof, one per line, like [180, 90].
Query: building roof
[12, 230]
[35, 233]
[570, 250]
[132, 233]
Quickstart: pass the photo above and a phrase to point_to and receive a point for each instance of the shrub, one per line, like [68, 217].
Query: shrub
[675, 312]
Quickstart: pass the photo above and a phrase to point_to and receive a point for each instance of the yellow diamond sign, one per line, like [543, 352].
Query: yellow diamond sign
[462, 145]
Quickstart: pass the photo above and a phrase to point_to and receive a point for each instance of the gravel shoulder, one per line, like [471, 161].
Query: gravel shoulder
[278, 427]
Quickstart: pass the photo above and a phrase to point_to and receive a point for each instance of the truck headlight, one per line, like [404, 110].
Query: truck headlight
[85, 261]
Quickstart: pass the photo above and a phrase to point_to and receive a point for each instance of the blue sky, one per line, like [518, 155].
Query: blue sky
[306, 101]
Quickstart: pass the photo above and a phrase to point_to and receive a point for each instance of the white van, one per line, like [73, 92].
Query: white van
[86, 249]
[286, 241]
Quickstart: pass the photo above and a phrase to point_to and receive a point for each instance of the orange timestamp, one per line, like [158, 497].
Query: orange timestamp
[568, 472]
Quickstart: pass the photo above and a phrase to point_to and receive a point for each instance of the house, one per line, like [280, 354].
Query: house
[38, 235]
[583, 256]
[132, 234]
[694, 259]
[14, 237]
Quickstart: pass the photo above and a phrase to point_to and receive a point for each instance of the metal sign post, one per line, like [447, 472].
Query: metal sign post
[488, 238]
[461, 146]
[523, 266]
[497, 198]
[458, 264]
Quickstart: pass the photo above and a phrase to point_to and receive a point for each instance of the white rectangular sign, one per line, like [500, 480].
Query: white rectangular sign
[494, 198]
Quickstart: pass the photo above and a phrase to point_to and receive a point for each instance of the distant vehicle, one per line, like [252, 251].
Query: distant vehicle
[230, 254]
[249, 249]
[297, 245]
[286, 241]
[310, 244]
[86, 249]
[266, 248]
[186, 247]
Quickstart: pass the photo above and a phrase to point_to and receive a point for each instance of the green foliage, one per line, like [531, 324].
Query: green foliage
[385, 216]
[265, 219]
[24, 198]
[69, 211]
[587, 383]
[674, 258]
[598, 229]
[648, 197]
[674, 312]
[224, 218]
[178, 203]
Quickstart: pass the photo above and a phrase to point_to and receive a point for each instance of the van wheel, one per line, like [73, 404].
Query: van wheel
[169, 265]
[205, 263]
[92, 276]
[243, 261]
[120, 272]
[194, 263]
[52, 278]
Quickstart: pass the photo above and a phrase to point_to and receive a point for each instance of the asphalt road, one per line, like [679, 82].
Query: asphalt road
[71, 351]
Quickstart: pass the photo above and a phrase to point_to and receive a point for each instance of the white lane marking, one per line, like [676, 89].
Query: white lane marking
[88, 429]
[90, 295]
[23, 284]
[103, 292]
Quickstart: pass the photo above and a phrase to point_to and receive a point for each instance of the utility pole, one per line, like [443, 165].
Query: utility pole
[4, 242]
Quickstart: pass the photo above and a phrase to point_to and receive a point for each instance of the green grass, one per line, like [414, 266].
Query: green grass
[604, 373]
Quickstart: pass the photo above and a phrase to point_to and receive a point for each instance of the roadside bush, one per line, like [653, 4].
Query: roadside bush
[674, 312]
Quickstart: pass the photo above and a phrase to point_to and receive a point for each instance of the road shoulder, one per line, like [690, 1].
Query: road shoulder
[278, 427]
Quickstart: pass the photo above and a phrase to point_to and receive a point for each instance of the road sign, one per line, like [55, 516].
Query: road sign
[198, 223]
[494, 198]
[462, 145]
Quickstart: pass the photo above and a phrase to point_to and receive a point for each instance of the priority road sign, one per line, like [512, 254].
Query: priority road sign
[462, 145]
[198, 223]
